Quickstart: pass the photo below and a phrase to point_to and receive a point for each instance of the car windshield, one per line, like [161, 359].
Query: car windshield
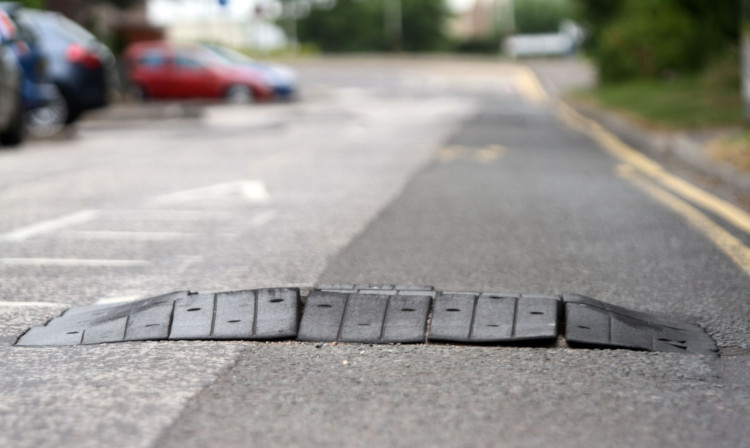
[228, 55]
[58, 26]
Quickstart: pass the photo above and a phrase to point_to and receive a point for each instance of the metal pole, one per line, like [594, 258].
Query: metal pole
[393, 23]
[512, 16]
[745, 55]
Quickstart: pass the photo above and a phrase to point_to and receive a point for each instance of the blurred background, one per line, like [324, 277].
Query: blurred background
[667, 65]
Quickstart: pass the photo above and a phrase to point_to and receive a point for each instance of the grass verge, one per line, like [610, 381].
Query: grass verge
[684, 103]
[733, 149]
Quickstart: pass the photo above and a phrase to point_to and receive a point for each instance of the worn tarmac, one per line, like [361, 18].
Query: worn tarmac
[382, 176]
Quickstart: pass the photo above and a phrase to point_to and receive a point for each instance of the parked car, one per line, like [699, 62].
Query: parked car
[82, 68]
[11, 82]
[41, 98]
[282, 79]
[162, 69]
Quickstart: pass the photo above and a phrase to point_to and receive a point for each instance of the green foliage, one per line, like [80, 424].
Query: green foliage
[596, 15]
[358, 25]
[38, 4]
[423, 24]
[121, 4]
[687, 102]
[541, 16]
[724, 74]
[486, 45]
[649, 38]
[348, 26]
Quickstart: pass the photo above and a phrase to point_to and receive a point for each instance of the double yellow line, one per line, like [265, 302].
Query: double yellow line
[675, 193]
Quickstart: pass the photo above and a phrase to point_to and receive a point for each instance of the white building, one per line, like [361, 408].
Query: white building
[240, 24]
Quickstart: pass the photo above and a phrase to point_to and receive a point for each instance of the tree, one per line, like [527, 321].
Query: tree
[423, 25]
[38, 4]
[595, 16]
[359, 25]
[650, 38]
[541, 16]
[348, 26]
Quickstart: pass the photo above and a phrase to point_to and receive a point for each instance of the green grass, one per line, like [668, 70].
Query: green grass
[687, 102]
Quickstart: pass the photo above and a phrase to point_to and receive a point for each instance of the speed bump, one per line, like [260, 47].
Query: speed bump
[263, 314]
[592, 322]
[487, 317]
[373, 314]
[364, 317]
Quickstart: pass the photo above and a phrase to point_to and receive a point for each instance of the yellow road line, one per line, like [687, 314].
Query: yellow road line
[726, 242]
[485, 154]
[450, 153]
[636, 161]
[529, 85]
[489, 154]
[731, 213]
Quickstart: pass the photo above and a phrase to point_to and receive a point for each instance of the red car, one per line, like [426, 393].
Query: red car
[171, 70]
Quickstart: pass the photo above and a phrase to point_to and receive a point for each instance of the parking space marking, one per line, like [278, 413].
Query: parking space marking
[119, 299]
[125, 235]
[14, 304]
[49, 225]
[187, 262]
[262, 218]
[71, 262]
[251, 190]
[166, 215]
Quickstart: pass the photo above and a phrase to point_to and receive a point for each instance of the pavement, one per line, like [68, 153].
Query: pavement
[463, 175]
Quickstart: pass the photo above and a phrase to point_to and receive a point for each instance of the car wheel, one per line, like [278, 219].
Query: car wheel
[137, 93]
[13, 136]
[46, 121]
[239, 94]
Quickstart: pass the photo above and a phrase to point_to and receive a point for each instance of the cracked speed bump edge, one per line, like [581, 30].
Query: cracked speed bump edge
[373, 314]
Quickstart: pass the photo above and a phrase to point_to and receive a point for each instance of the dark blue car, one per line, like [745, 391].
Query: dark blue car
[39, 94]
[82, 68]
[11, 82]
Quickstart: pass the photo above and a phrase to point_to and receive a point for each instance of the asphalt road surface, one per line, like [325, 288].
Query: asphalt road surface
[460, 174]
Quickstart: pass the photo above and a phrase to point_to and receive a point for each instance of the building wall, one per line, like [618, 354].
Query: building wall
[114, 25]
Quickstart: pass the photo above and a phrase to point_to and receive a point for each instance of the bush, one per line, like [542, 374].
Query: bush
[486, 45]
[724, 73]
[541, 16]
[649, 39]
[352, 26]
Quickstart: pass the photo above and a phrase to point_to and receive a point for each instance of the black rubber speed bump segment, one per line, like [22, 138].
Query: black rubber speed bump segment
[594, 323]
[261, 314]
[372, 313]
[489, 318]
[364, 317]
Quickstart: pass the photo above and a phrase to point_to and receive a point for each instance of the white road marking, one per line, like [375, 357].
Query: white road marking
[119, 299]
[49, 225]
[263, 218]
[124, 235]
[250, 190]
[71, 262]
[187, 262]
[12, 304]
[167, 215]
